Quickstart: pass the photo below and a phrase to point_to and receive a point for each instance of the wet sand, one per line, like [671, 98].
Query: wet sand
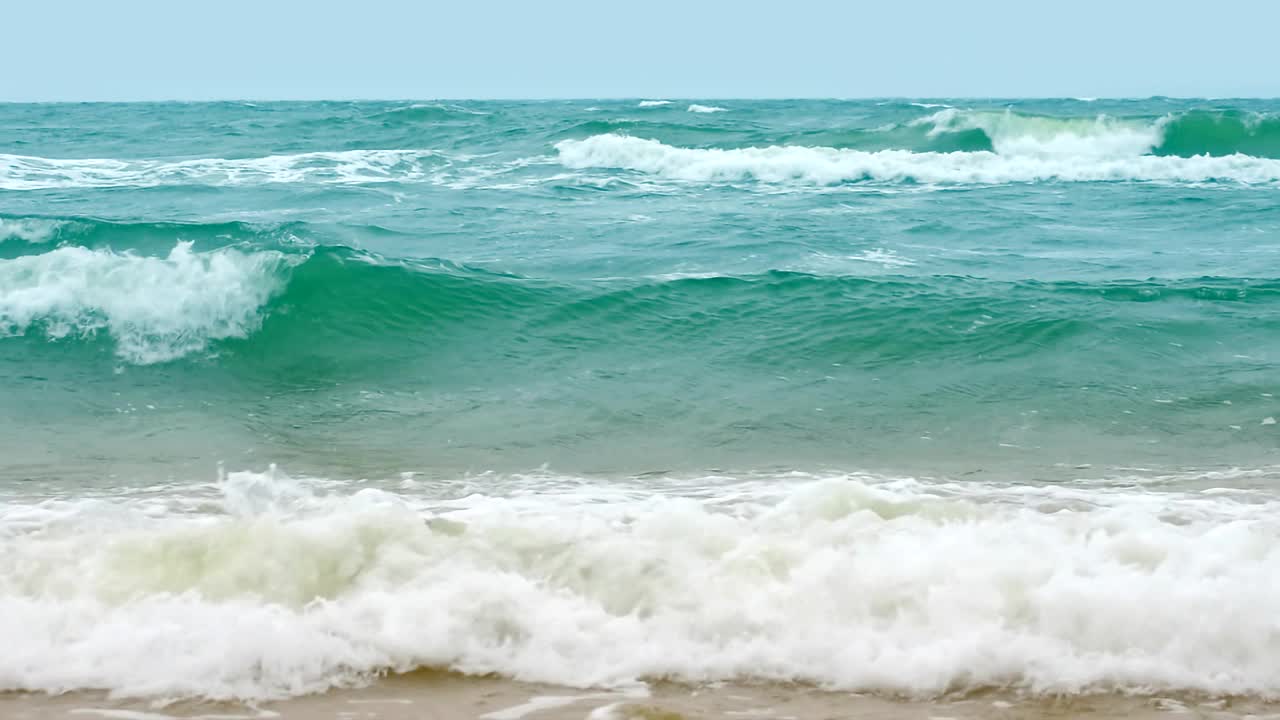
[445, 696]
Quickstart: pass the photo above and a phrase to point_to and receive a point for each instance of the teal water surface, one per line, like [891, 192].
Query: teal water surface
[948, 287]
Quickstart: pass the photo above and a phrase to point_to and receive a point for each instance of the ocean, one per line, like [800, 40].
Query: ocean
[903, 398]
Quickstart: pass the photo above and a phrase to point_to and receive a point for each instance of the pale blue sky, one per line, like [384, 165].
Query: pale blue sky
[290, 49]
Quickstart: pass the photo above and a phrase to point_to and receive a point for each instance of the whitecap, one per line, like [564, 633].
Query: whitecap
[851, 582]
[24, 172]
[154, 308]
[829, 166]
[32, 230]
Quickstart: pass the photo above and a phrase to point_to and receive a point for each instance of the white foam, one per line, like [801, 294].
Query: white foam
[881, 256]
[605, 712]
[706, 109]
[653, 103]
[1031, 135]
[828, 166]
[120, 714]
[539, 703]
[23, 172]
[116, 714]
[850, 582]
[32, 230]
[154, 308]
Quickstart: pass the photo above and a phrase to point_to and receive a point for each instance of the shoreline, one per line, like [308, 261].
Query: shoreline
[433, 695]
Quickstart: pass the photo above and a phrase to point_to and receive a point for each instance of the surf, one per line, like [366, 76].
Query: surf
[1186, 134]
[825, 166]
[262, 586]
[154, 309]
[246, 300]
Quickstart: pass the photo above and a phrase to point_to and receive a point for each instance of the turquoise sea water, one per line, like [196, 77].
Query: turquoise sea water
[600, 286]
[732, 332]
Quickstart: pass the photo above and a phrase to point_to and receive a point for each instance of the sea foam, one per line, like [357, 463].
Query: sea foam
[24, 172]
[1032, 135]
[31, 230]
[154, 308]
[849, 582]
[828, 166]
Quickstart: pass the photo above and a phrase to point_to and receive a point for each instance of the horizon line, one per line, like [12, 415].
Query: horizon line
[619, 98]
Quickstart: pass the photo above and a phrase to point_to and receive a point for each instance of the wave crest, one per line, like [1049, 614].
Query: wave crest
[1011, 133]
[1219, 134]
[24, 172]
[829, 166]
[344, 303]
[1188, 134]
[32, 230]
[154, 308]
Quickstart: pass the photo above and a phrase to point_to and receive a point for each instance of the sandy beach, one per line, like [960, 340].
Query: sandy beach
[449, 696]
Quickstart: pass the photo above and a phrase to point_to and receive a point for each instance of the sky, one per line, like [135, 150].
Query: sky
[81, 50]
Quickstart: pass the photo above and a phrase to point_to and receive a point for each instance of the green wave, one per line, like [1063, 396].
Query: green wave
[338, 347]
[351, 308]
[1221, 133]
[341, 308]
[1186, 134]
[428, 113]
[22, 235]
[691, 134]
[916, 138]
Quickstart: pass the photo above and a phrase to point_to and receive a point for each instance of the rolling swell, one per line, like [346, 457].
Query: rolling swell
[428, 112]
[343, 167]
[1186, 134]
[912, 136]
[710, 135]
[19, 233]
[429, 147]
[1018, 159]
[1221, 133]
[261, 305]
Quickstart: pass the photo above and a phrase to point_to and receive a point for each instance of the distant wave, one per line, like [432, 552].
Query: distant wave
[653, 103]
[1032, 135]
[706, 109]
[827, 166]
[667, 129]
[949, 146]
[1188, 134]
[22, 172]
[1220, 134]
[428, 112]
